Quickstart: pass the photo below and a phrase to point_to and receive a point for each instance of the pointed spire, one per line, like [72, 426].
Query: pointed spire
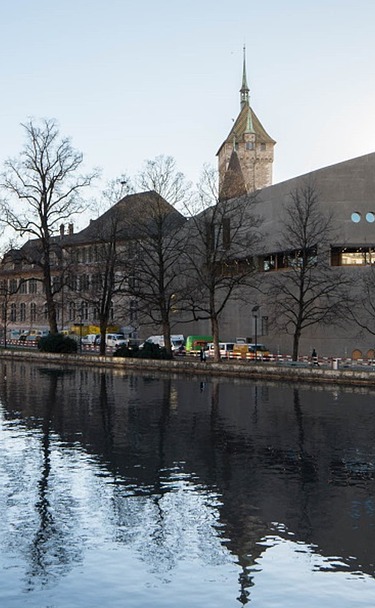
[244, 88]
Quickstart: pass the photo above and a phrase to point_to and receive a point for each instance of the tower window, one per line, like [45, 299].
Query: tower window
[263, 146]
[249, 145]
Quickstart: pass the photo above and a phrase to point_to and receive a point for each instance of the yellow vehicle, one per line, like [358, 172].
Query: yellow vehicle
[248, 351]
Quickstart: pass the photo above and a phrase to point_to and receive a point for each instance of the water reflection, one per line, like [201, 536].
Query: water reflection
[146, 489]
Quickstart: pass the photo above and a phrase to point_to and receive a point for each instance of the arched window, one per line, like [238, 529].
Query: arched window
[13, 313]
[32, 311]
[22, 311]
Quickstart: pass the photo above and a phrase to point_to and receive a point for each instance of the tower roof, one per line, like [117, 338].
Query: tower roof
[247, 122]
[234, 183]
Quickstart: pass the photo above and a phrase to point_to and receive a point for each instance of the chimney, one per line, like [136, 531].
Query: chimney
[71, 228]
[62, 230]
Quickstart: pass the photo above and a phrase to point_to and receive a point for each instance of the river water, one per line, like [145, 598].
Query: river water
[132, 491]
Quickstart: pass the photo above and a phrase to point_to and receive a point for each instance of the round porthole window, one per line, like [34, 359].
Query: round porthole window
[370, 217]
[356, 217]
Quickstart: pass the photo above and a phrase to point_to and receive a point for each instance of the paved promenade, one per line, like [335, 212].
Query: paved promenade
[357, 375]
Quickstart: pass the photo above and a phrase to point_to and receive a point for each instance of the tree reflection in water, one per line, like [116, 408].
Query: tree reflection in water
[177, 470]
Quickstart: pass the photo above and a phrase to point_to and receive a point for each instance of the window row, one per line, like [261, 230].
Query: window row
[82, 282]
[77, 312]
[19, 286]
[289, 259]
[339, 256]
[99, 252]
[251, 145]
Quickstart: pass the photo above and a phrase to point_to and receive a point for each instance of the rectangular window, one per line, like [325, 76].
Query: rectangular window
[22, 286]
[84, 311]
[32, 311]
[56, 284]
[269, 263]
[22, 312]
[352, 256]
[72, 282]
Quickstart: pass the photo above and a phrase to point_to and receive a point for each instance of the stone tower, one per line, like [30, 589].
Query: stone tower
[246, 156]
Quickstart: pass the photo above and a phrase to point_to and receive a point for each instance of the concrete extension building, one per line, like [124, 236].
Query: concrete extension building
[347, 191]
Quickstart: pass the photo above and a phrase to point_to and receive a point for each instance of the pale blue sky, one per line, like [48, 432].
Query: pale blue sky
[128, 81]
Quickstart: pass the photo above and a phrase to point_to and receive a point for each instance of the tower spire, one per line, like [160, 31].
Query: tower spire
[244, 90]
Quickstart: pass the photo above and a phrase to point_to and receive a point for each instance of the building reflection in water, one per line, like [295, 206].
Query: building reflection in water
[229, 463]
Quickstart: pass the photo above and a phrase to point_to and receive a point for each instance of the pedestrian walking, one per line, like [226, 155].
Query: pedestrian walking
[314, 357]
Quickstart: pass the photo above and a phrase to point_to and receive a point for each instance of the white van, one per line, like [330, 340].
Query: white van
[226, 349]
[177, 340]
[115, 340]
[90, 339]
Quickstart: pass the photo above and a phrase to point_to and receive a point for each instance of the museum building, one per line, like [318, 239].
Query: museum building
[346, 191]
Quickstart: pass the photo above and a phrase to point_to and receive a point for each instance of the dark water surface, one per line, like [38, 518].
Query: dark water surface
[132, 491]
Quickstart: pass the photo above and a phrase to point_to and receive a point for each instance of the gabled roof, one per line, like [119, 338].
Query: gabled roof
[131, 214]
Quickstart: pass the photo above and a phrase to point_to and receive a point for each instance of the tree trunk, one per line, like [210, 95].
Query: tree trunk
[296, 338]
[103, 331]
[51, 310]
[167, 338]
[215, 337]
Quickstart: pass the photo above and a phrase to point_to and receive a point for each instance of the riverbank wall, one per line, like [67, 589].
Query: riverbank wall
[363, 376]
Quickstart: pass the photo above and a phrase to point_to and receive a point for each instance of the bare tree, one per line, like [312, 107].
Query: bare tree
[307, 290]
[156, 278]
[162, 176]
[114, 190]
[103, 278]
[43, 186]
[223, 237]
[7, 295]
[363, 312]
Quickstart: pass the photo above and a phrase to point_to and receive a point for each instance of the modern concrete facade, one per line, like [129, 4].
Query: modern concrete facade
[347, 191]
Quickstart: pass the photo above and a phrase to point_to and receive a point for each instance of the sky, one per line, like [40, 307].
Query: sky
[130, 81]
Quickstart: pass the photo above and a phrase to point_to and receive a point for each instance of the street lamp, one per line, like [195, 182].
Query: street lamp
[255, 315]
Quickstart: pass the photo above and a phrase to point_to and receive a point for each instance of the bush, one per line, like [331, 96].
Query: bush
[57, 343]
[148, 351]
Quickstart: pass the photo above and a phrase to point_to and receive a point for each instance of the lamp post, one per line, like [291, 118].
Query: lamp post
[255, 315]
